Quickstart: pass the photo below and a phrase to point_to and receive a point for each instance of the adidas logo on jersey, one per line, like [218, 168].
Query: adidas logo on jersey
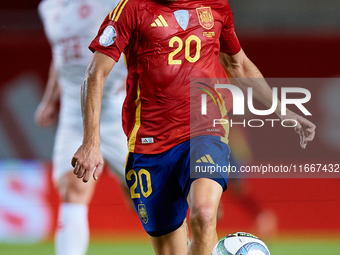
[205, 159]
[160, 22]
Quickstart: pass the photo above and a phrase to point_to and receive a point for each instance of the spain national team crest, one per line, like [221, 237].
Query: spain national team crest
[205, 17]
[143, 215]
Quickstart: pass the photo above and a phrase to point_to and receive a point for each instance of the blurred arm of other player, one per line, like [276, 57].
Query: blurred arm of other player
[47, 111]
[240, 66]
[88, 159]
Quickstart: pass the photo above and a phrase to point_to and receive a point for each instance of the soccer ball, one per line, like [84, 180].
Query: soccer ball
[240, 243]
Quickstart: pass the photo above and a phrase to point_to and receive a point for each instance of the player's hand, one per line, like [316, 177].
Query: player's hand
[46, 114]
[87, 160]
[304, 127]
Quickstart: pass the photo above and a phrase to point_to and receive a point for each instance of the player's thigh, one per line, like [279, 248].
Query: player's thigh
[114, 147]
[113, 139]
[74, 190]
[204, 197]
[69, 137]
[209, 174]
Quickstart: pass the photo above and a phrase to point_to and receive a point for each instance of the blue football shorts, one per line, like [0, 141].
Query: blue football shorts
[159, 183]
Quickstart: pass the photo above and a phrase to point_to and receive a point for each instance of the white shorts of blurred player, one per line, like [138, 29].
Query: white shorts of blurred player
[69, 134]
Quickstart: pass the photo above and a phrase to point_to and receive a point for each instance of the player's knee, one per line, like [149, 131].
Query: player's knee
[75, 191]
[203, 217]
[72, 195]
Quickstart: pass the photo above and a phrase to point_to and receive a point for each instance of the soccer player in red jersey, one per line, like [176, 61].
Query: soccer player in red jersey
[166, 44]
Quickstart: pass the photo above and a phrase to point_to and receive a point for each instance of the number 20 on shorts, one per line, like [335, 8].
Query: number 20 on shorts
[139, 178]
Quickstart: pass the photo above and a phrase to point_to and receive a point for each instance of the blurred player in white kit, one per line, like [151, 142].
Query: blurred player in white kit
[70, 26]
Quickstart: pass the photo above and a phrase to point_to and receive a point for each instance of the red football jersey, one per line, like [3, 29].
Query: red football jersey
[166, 44]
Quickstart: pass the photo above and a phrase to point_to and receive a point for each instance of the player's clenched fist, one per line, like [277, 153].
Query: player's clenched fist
[87, 160]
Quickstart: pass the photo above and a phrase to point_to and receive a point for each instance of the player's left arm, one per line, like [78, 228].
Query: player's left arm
[248, 75]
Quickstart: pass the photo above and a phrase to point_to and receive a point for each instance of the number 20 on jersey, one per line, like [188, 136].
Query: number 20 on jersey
[178, 47]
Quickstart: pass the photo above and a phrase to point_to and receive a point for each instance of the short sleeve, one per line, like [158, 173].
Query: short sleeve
[228, 40]
[116, 30]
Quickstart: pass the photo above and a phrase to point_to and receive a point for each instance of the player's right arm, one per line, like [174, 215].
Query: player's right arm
[248, 75]
[239, 66]
[47, 111]
[88, 159]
